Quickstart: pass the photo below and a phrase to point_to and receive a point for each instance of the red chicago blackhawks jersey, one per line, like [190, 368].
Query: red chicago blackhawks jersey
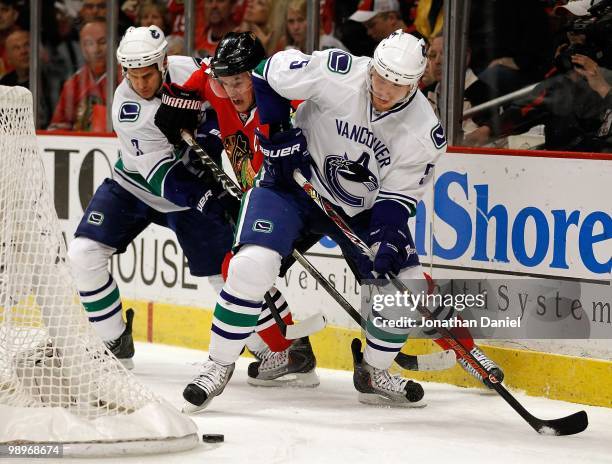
[237, 129]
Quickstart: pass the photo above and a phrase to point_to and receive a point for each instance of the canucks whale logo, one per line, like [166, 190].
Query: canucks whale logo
[339, 167]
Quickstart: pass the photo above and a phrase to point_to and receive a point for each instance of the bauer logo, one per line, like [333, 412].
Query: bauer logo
[263, 226]
[129, 112]
[96, 218]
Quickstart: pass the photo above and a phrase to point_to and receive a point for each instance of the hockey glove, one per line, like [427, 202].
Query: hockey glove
[284, 152]
[389, 237]
[198, 190]
[219, 202]
[389, 244]
[180, 109]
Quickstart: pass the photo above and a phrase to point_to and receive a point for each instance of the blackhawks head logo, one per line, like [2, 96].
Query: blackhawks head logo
[240, 155]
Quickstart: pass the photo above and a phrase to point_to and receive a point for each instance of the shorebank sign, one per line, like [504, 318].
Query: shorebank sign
[490, 214]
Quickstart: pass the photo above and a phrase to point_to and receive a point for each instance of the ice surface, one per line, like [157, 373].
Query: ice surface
[328, 425]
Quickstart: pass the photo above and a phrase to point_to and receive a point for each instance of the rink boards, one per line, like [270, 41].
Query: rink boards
[549, 216]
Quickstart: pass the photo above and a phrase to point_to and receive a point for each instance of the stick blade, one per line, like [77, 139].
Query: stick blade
[569, 425]
[427, 362]
[306, 327]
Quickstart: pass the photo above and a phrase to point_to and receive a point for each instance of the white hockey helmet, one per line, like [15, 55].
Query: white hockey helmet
[141, 47]
[401, 58]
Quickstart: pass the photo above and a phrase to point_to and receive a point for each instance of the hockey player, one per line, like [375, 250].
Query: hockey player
[374, 140]
[154, 183]
[225, 82]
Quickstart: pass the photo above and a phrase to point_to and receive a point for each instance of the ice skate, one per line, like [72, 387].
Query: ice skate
[210, 382]
[293, 367]
[379, 387]
[486, 362]
[123, 347]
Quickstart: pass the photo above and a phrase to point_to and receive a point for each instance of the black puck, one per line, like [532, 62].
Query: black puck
[213, 437]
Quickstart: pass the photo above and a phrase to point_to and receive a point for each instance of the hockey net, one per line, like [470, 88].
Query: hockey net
[57, 382]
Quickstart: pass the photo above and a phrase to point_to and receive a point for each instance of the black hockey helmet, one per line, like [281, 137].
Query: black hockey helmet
[236, 53]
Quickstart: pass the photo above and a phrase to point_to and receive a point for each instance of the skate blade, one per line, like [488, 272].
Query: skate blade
[374, 399]
[295, 380]
[128, 363]
[190, 408]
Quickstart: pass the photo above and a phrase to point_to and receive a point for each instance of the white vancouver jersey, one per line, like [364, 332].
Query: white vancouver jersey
[359, 156]
[146, 155]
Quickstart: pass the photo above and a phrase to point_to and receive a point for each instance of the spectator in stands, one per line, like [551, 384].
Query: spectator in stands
[17, 47]
[296, 29]
[380, 17]
[62, 55]
[176, 45]
[18, 56]
[153, 13]
[266, 18]
[511, 43]
[475, 90]
[82, 104]
[353, 34]
[429, 18]
[9, 14]
[92, 10]
[130, 8]
[219, 22]
[575, 107]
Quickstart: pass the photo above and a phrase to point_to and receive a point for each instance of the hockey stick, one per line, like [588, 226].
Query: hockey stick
[294, 331]
[425, 362]
[569, 425]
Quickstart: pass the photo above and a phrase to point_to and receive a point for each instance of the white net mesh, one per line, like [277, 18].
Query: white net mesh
[57, 382]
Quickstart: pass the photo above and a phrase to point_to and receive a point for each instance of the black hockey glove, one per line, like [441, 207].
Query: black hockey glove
[284, 152]
[219, 202]
[180, 109]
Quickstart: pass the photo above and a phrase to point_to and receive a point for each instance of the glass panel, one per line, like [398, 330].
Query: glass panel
[563, 52]
[15, 42]
[74, 58]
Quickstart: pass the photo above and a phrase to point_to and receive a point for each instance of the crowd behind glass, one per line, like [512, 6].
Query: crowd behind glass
[563, 50]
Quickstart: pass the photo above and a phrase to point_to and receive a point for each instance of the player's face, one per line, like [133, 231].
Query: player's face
[239, 90]
[145, 81]
[386, 94]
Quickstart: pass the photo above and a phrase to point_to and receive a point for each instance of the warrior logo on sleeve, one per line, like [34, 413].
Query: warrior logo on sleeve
[339, 169]
[240, 155]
